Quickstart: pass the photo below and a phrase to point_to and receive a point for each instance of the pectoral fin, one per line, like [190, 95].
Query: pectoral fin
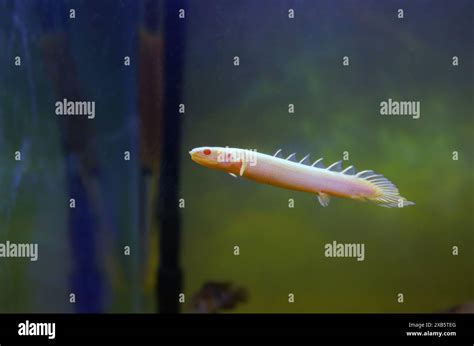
[243, 167]
[324, 199]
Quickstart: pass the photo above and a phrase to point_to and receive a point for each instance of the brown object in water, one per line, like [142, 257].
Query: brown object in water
[216, 296]
[150, 98]
[466, 308]
[60, 66]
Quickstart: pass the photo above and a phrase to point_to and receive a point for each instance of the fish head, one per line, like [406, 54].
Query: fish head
[215, 157]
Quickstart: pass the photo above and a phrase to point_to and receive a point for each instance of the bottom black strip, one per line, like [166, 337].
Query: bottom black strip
[63, 329]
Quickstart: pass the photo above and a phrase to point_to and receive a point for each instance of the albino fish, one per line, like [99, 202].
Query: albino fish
[313, 178]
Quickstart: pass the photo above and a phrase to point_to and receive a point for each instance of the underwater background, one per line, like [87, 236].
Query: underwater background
[190, 61]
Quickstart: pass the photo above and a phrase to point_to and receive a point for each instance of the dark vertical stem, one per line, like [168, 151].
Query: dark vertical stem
[169, 273]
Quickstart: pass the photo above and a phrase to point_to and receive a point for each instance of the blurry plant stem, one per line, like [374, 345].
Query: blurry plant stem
[168, 213]
[150, 102]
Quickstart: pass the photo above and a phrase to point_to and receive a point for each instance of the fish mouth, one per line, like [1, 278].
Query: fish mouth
[196, 157]
[193, 154]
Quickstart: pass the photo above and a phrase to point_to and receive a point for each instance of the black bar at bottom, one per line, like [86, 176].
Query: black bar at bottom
[139, 329]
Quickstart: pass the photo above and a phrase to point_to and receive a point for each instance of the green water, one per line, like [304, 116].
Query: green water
[407, 250]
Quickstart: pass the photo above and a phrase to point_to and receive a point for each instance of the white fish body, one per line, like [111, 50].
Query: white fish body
[315, 178]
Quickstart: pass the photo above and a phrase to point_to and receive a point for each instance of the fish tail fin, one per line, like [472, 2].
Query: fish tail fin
[387, 201]
[387, 194]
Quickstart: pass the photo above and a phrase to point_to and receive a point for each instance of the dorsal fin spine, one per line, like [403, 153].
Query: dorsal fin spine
[316, 162]
[304, 158]
[364, 172]
[335, 165]
[349, 170]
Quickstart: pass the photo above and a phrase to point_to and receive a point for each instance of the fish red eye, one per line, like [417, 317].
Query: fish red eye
[207, 151]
